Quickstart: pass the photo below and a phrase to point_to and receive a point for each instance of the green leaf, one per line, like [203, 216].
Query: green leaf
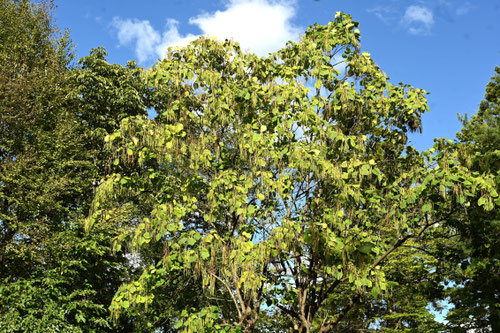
[365, 170]
[204, 254]
[427, 208]
[366, 248]
[251, 209]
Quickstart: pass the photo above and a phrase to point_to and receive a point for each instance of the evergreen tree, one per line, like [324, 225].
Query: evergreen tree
[473, 257]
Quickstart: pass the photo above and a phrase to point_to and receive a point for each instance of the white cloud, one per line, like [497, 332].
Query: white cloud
[146, 38]
[418, 19]
[172, 37]
[261, 26]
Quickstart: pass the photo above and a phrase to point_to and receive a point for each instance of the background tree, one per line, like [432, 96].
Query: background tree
[405, 306]
[283, 180]
[54, 277]
[470, 255]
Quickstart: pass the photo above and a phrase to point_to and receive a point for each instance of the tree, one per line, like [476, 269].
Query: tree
[405, 306]
[471, 258]
[53, 276]
[106, 94]
[31, 91]
[283, 181]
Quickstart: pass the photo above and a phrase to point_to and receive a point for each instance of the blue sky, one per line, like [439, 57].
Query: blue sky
[447, 47]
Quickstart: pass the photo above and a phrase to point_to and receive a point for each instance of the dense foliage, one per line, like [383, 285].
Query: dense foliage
[267, 194]
[472, 259]
[53, 275]
[283, 181]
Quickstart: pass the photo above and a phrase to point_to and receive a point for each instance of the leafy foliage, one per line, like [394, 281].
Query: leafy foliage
[283, 181]
[54, 277]
[268, 194]
[472, 259]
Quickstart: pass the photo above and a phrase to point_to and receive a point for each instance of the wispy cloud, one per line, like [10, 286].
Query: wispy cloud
[451, 10]
[418, 19]
[384, 13]
[464, 9]
[261, 26]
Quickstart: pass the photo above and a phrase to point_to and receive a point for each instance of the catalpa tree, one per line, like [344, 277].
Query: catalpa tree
[280, 185]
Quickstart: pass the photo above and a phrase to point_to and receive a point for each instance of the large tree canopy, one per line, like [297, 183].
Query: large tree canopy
[280, 186]
[268, 194]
